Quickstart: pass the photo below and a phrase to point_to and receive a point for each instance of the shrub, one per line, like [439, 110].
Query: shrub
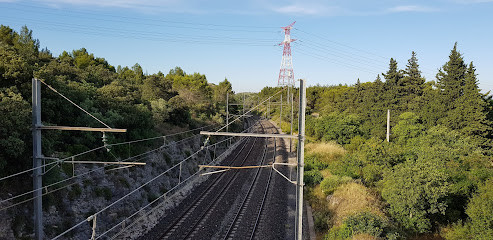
[75, 192]
[312, 177]
[350, 199]
[366, 222]
[320, 220]
[457, 231]
[312, 163]
[104, 192]
[480, 210]
[339, 233]
[349, 166]
[332, 182]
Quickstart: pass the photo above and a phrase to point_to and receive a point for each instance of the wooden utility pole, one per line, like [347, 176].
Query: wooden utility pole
[388, 125]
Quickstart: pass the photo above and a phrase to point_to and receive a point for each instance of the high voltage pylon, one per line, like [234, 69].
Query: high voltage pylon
[286, 76]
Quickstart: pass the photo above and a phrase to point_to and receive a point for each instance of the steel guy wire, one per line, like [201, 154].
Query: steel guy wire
[79, 107]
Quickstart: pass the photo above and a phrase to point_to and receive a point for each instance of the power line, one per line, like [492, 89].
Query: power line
[103, 147]
[138, 188]
[86, 173]
[155, 200]
[133, 19]
[375, 58]
[251, 109]
[164, 194]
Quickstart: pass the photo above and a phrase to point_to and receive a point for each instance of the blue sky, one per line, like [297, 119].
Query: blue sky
[337, 41]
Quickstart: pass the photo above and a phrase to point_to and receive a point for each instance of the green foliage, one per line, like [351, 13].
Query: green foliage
[332, 182]
[14, 133]
[320, 220]
[338, 127]
[416, 191]
[312, 177]
[366, 222]
[457, 231]
[339, 233]
[313, 163]
[409, 127]
[347, 166]
[480, 211]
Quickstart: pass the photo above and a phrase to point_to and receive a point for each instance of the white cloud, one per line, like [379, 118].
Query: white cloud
[473, 1]
[411, 8]
[297, 9]
[113, 3]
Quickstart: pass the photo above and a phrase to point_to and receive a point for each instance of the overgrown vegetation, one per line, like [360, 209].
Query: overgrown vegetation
[433, 177]
[147, 105]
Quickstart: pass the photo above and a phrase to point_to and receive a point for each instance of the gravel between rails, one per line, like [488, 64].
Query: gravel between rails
[236, 204]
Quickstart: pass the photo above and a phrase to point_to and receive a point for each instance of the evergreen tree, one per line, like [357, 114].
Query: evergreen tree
[468, 115]
[412, 82]
[393, 75]
[450, 79]
[392, 79]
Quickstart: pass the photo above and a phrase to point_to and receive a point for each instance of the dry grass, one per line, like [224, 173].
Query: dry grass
[428, 236]
[352, 198]
[325, 173]
[326, 152]
[364, 236]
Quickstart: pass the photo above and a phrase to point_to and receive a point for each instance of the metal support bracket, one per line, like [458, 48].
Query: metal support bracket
[284, 176]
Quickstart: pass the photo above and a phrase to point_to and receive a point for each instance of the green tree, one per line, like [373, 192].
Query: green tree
[415, 191]
[480, 211]
[221, 90]
[409, 127]
[450, 79]
[468, 115]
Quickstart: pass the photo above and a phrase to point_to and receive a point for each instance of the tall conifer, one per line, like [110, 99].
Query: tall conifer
[450, 79]
[468, 114]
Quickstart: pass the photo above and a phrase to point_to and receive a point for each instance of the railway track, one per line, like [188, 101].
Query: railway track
[246, 219]
[227, 205]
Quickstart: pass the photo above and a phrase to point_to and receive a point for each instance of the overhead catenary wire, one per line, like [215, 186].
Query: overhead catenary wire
[84, 174]
[164, 194]
[155, 200]
[103, 147]
[251, 109]
[137, 189]
[176, 165]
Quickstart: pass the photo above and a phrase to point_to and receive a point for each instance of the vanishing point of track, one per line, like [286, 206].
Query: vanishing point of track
[236, 197]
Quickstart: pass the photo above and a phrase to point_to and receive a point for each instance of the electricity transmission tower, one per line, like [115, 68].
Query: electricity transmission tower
[286, 76]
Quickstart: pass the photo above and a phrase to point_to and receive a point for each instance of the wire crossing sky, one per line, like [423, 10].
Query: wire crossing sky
[337, 42]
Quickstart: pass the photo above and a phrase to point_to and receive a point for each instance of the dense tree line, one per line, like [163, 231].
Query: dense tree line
[435, 173]
[123, 97]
